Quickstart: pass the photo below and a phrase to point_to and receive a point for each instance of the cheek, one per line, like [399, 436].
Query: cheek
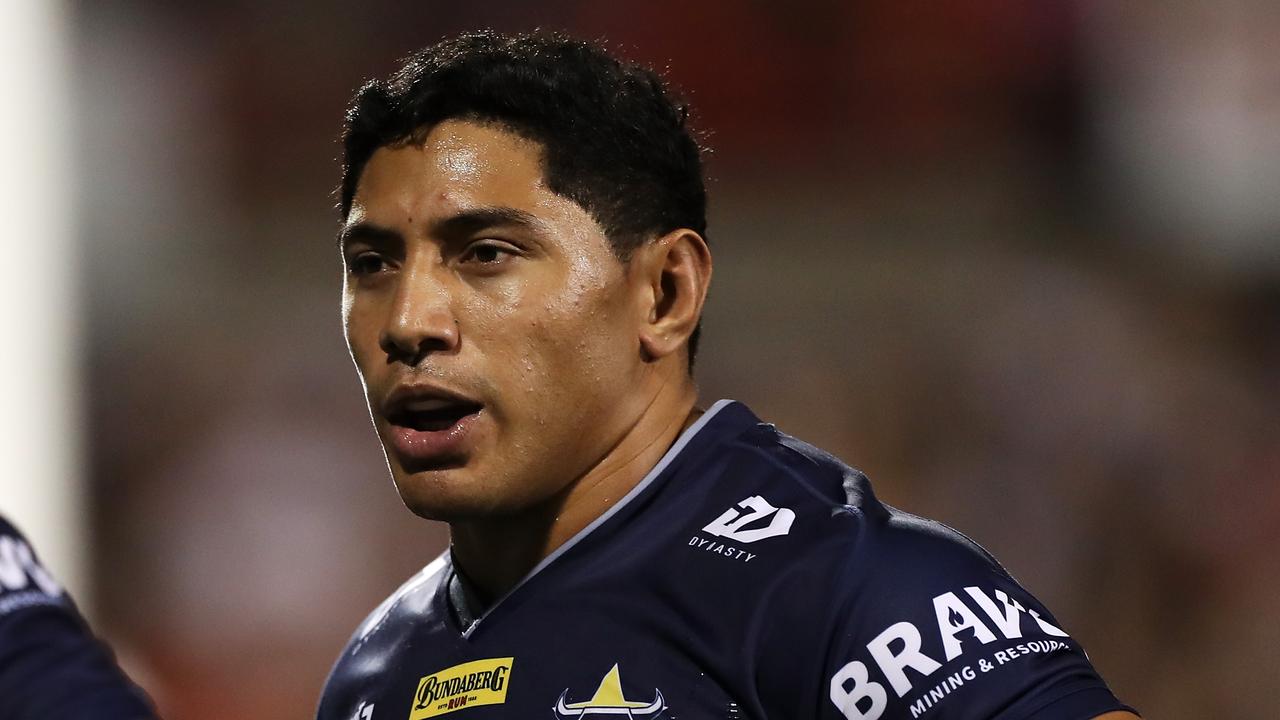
[348, 297]
[556, 339]
[578, 346]
[361, 335]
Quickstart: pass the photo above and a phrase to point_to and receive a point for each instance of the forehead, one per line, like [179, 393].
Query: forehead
[456, 166]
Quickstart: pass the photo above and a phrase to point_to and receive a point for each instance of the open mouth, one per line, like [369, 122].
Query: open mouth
[432, 415]
[430, 427]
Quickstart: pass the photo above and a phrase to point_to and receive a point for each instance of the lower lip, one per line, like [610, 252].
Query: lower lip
[427, 449]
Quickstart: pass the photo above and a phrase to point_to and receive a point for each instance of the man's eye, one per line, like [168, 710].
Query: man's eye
[487, 253]
[367, 263]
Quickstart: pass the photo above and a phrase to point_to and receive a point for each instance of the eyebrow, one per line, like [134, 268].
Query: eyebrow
[469, 221]
[366, 232]
[462, 223]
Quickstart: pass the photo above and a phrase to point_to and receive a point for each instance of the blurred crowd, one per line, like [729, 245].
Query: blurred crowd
[1016, 261]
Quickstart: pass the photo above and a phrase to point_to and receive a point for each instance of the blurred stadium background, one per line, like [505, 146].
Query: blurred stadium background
[1018, 261]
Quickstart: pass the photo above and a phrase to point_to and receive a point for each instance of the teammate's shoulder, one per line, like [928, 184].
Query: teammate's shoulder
[24, 582]
[8, 530]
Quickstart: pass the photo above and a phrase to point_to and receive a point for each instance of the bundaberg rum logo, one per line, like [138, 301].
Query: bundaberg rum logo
[480, 682]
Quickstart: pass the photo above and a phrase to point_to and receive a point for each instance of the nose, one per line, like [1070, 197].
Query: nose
[421, 320]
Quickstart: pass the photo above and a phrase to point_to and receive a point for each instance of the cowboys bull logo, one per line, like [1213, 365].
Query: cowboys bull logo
[608, 701]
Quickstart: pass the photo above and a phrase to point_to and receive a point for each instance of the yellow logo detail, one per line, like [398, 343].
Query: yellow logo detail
[479, 682]
[608, 699]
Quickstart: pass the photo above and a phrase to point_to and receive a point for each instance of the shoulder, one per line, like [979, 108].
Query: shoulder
[50, 662]
[872, 612]
[383, 634]
[24, 582]
[870, 562]
[819, 506]
[816, 524]
[412, 600]
[818, 511]
[815, 541]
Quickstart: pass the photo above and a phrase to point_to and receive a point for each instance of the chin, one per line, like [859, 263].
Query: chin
[431, 511]
[447, 496]
[434, 506]
[433, 495]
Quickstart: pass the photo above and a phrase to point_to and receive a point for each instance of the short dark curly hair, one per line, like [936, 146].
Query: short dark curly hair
[615, 140]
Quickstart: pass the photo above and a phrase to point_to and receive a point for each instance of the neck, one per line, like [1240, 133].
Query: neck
[497, 553]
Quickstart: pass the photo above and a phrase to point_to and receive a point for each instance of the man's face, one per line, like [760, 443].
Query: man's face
[493, 327]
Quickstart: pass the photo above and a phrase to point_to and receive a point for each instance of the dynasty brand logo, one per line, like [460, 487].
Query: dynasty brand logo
[741, 523]
[752, 519]
[480, 682]
[608, 700]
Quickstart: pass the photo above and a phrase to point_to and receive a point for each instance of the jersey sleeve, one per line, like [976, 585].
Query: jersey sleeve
[51, 665]
[913, 620]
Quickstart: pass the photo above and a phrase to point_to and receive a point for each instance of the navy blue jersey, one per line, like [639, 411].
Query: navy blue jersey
[51, 666]
[748, 575]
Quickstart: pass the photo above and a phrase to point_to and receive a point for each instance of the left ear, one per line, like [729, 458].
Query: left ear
[673, 273]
